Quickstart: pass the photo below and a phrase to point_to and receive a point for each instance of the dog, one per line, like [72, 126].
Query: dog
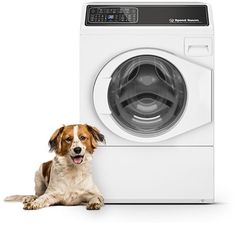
[67, 179]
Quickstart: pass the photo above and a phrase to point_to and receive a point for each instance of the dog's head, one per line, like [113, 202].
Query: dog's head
[76, 142]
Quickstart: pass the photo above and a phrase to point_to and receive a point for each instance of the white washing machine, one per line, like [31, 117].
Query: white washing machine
[146, 81]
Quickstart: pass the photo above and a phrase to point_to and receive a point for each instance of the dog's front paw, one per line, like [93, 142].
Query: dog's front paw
[95, 203]
[28, 199]
[93, 206]
[32, 205]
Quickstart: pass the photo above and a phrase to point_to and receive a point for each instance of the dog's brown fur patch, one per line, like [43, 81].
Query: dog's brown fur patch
[46, 170]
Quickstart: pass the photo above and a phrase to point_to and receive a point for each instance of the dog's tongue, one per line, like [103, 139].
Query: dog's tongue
[77, 159]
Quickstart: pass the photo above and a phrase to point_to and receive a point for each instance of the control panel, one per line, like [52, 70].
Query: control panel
[147, 15]
[113, 15]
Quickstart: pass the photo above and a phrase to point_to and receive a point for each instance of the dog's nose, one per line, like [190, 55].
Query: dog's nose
[77, 150]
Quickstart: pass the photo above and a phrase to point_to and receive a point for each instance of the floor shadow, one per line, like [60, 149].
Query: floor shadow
[214, 203]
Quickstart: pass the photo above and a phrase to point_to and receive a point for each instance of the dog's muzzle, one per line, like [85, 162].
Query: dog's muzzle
[77, 157]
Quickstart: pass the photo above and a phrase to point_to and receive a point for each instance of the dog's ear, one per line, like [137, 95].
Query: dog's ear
[96, 136]
[54, 142]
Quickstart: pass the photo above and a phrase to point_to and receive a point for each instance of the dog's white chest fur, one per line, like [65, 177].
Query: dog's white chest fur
[74, 184]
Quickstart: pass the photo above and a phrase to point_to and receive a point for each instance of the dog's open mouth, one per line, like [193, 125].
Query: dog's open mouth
[77, 159]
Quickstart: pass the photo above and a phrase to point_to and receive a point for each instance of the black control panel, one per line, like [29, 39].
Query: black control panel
[113, 15]
[147, 15]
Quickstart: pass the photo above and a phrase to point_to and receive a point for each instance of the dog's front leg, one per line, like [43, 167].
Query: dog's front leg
[44, 200]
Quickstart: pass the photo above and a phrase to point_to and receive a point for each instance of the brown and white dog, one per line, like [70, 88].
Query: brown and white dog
[67, 179]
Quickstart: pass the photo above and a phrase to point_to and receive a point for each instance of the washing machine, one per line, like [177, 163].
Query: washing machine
[146, 82]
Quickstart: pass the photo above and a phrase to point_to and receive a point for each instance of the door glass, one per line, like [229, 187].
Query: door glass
[147, 95]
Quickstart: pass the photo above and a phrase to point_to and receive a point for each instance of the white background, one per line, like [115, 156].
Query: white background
[39, 50]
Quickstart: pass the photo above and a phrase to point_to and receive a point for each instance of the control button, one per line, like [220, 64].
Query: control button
[100, 10]
[133, 11]
[93, 11]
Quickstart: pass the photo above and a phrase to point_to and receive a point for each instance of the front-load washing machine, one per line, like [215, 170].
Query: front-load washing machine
[146, 81]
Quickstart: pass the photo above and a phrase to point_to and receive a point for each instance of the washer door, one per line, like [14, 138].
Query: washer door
[147, 95]
[141, 95]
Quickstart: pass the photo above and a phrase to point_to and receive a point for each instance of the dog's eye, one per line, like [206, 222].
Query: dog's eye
[69, 139]
[82, 138]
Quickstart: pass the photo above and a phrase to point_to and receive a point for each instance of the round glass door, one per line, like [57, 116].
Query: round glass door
[147, 95]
